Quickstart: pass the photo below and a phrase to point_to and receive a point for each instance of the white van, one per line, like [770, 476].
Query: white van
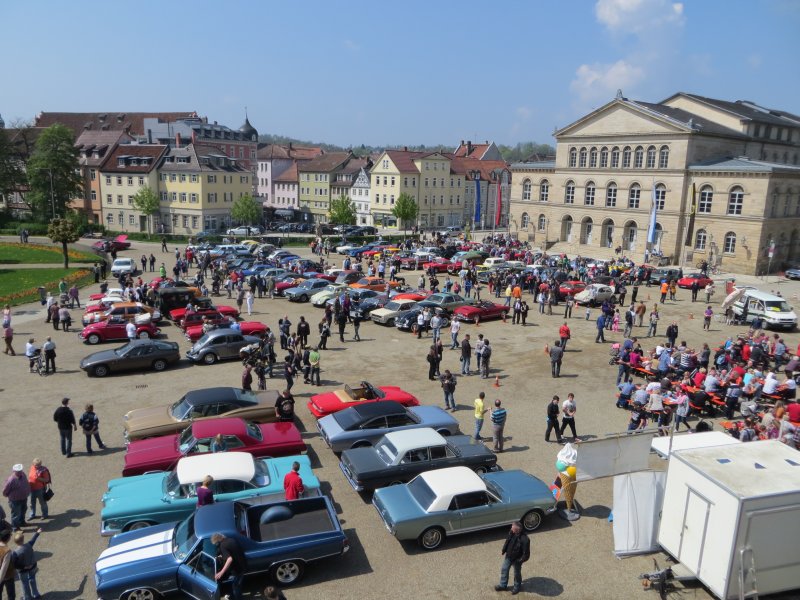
[494, 262]
[774, 310]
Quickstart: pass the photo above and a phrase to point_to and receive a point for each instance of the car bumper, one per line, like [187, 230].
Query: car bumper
[107, 531]
[193, 357]
[355, 484]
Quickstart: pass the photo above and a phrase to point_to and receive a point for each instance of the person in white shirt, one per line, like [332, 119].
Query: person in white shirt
[130, 330]
[770, 383]
[455, 327]
[436, 326]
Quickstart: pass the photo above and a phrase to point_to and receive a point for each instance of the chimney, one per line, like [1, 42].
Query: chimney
[462, 142]
[177, 140]
[290, 146]
[469, 147]
[405, 148]
[149, 136]
[194, 136]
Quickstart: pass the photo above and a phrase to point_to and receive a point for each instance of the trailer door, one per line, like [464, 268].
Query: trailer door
[693, 534]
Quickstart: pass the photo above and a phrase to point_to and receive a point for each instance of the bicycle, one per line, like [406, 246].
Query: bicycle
[38, 364]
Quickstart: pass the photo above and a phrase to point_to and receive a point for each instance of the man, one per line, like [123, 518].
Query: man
[466, 355]
[486, 358]
[480, 411]
[293, 483]
[49, 351]
[314, 360]
[516, 550]
[284, 406]
[695, 289]
[436, 326]
[234, 560]
[498, 416]
[65, 419]
[556, 355]
[420, 324]
[569, 302]
[455, 327]
[672, 333]
[630, 314]
[449, 388]
[564, 334]
[601, 323]
[552, 420]
[130, 330]
[17, 489]
[568, 416]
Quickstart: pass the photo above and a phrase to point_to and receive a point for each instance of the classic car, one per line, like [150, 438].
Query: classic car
[359, 294]
[402, 455]
[362, 393]
[363, 305]
[201, 304]
[408, 320]
[247, 328]
[687, 281]
[244, 230]
[123, 266]
[595, 293]
[364, 424]
[144, 500]
[118, 243]
[348, 277]
[200, 316]
[136, 355]
[792, 273]
[278, 538]
[570, 288]
[196, 405]
[115, 330]
[262, 440]
[457, 500]
[103, 304]
[415, 295]
[108, 294]
[135, 311]
[448, 302]
[288, 282]
[481, 311]
[306, 289]
[332, 290]
[377, 284]
[390, 310]
[219, 344]
[440, 265]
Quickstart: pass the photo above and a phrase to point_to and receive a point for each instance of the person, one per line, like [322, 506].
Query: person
[49, 349]
[39, 480]
[233, 560]
[449, 388]
[293, 483]
[654, 316]
[7, 569]
[466, 355]
[8, 337]
[164, 244]
[205, 495]
[433, 362]
[601, 324]
[569, 302]
[65, 419]
[709, 312]
[284, 406]
[273, 593]
[564, 335]
[486, 358]
[130, 330]
[455, 327]
[288, 371]
[516, 550]
[480, 411]
[324, 334]
[356, 320]
[498, 416]
[303, 331]
[695, 288]
[341, 321]
[218, 444]
[91, 427]
[17, 489]
[25, 564]
[556, 356]
[314, 361]
[552, 420]
[568, 416]
[247, 378]
[55, 314]
[249, 299]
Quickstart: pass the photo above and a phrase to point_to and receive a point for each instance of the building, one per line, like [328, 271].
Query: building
[94, 147]
[315, 179]
[343, 184]
[23, 142]
[277, 176]
[394, 173]
[130, 123]
[359, 193]
[485, 151]
[724, 178]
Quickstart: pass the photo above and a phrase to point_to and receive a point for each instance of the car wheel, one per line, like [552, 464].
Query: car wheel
[390, 322]
[159, 365]
[531, 520]
[303, 298]
[361, 444]
[431, 538]
[138, 525]
[504, 314]
[141, 594]
[286, 573]
[100, 371]
[143, 335]
[396, 483]
[481, 470]
[93, 339]
[210, 358]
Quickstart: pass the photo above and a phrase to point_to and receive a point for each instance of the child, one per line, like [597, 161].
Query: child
[615, 323]
[588, 312]
[25, 562]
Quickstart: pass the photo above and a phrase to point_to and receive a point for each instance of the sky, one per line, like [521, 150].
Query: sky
[393, 73]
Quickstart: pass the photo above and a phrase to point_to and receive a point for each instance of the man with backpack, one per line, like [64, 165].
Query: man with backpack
[449, 387]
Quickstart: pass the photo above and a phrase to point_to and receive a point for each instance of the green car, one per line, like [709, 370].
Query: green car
[457, 500]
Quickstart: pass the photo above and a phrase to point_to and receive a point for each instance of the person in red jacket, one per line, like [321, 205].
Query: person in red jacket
[292, 483]
[564, 333]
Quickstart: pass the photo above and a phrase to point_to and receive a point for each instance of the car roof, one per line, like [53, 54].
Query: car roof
[378, 409]
[222, 465]
[214, 394]
[221, 331]
[446, 483]
[208, 428]
[410, 439]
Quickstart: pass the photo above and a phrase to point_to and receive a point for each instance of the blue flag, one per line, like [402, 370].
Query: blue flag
[651, 228]
[477, 200]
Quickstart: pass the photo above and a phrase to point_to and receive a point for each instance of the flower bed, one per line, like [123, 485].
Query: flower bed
[20, 286]
[16, 253]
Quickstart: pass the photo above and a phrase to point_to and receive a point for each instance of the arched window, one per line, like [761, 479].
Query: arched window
[735, 201]
[569, 193]
[634, 195]
[542, 224]
[651, 157]
[588, 198]
[526, 190]
[626, 158]
[700, 240]
[638, 158]
[525, 220]
[603, 158]
[615, 158]
[611, 194]
[593, 158]
[661, 196]
[706, 197]
[729, 244]
[582, 162]
[544, 191]
[663, 158]
[573, 157]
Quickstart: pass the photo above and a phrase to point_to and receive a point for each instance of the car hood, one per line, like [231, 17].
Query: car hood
[148, 550]
[133, 493]
[145, 418]
[99, 357]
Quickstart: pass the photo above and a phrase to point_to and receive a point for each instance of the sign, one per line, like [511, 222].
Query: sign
[771, 252]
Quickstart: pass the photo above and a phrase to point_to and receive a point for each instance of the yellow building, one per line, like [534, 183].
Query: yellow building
[315, 179]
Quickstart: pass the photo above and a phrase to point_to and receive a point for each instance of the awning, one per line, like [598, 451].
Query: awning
[284, 212]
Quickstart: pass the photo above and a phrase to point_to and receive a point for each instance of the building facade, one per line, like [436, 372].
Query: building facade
[94, 147]
[359, 193]
[315, 180]
[277, 176]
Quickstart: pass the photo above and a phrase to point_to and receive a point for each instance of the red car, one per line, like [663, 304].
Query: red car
[415, 296]
[178, 314]
[114, 330]
[118, 243]
[197, 317]
[195, 332]
[363, 393]
[687, 281]
[162, 453]
[480, 312]
[570, 287]
[288, 282]
[439, 265]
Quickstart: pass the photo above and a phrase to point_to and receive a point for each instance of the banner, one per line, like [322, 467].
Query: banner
[651, 228]
[499, 199]
[477, 200]
[692, 210]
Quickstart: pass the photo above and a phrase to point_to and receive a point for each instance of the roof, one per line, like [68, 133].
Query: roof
[247, 129]
[475, 151]
[409, 439]
[547, 165]
[197, 152]
[209, 395]
[744, 164]
[745, 109]
[131, 122]
[749, 470]
[404, 160]
[272, 151]
[378, 409]
[687, 119]
[208, 428]
[325, 163]
[288, 176]
[152, 151]
[446, 483]
[463, 166]
[221, 465]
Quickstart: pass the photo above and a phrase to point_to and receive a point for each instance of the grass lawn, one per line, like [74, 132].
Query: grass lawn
[19, 286]
[16, 254]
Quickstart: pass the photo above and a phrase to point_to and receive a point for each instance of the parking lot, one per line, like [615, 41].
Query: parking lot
[569, 560]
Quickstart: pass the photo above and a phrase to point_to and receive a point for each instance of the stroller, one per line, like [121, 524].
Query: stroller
[615, 350]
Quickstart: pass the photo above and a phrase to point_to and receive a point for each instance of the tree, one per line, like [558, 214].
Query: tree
[405, 210]
[246, 210]
[146, 201]
[12, 175]
[54, 172]
[342, 211]
[63, 231]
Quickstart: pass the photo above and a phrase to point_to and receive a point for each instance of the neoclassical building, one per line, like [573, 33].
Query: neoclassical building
[724, 176]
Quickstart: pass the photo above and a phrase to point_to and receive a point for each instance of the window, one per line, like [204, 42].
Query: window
[638, 157]
[193, 198]
[588, 197]
[94, 195]
[626, 158]
[194, 178]
[611, 195]
[119, 198]
[141, 181]
[651, 157]
[130, 200]
[526, 190]
[603, 158]
[573, 157]
[131, 220]
[661, 196]
[663, 158]
[582, 163]
[774, 208]
[120, 219]
[392, 180]
[634, 195]
[736, 201]
[544, 191]
[110, 219]
[174, 177]
[706, 197]
[194, 222]
[92, 174]
[185, 220]
[569, 193]
[700, 240]
[211, 178]
[183, 196]
[108, 182]
[729, 244]
[615, 158]
[525, 220]
[542, 223]
[593, 158]
[109, 199]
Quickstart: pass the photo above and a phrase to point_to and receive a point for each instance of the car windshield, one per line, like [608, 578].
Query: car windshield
[386, 451]
[180, 409]
[205, 337]
[421, 492]
[123, 350]
[393, 306]
[254, 431]
[261, 477]
[494, 488]
[184, 539]
[186, 441]
[332, 288]
[172, 486]
[777, 306]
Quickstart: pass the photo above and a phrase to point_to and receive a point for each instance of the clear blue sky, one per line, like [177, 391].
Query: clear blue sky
[393, 73]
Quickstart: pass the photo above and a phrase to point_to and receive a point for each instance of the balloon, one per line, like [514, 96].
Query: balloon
[560, 466]
[572, 471]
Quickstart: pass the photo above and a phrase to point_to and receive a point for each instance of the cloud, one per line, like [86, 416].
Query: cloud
[601, 81]
[754, 61]
[351, 45]
[638, 16]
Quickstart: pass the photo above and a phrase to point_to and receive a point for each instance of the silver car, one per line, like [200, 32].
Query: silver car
[219, 344]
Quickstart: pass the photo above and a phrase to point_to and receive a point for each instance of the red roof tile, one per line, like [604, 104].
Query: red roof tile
[154, 152]
[133, 123]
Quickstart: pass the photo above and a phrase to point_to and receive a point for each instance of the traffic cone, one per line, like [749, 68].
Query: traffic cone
[497, 381]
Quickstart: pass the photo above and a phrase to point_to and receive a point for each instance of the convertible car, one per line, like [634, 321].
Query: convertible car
[363, 393]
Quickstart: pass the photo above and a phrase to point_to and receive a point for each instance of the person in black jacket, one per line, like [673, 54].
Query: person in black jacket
[65, 419]
[552, 420]
[516, 550]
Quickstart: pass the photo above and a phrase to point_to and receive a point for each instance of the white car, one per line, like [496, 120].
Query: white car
[344, 248]
[387, 314]
[329, 291]
[595, 293]
[245, 230]
[124, 266]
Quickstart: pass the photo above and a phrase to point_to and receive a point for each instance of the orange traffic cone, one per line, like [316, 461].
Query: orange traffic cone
[497, 381]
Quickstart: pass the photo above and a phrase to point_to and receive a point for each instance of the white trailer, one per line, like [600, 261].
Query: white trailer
[731, 516]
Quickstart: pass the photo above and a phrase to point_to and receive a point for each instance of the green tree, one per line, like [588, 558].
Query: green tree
[342, 211]
[246, 211]
[63, 231]
[405, 210]
[12, 175]
[54, 172]
[146, 201]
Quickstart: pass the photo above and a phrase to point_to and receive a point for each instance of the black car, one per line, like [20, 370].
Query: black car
[362, 308]
[136, 355]
[408, 320]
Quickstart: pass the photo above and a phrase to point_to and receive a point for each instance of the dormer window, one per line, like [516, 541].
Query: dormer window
[134, 162]
[121, 162]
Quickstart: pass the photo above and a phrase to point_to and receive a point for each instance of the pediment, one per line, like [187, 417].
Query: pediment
[621, 119]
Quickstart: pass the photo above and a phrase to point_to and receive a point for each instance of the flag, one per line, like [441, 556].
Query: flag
[651, 228]
[499, 200]
[692, 211]
[477, 199]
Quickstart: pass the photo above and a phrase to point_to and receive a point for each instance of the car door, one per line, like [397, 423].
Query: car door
[233, 342]
[130, 361]
[196, 575]
[114, 330]
[400, 421]
[441, 457]
[144, 357]
[475, 511]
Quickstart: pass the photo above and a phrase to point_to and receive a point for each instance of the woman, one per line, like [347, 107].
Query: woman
[8, 337]
[433, 362]
[91, 427]
[249, 298]
[39, 479]
[64, 317]
[7, 315]
[218, 444]
[204, 494]
[247, 378]
[681, 410]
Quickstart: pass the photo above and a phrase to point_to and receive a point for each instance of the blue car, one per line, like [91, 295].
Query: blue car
[258, 269]
[135, 502]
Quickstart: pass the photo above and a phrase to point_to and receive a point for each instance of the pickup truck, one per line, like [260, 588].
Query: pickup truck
[278, 538]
